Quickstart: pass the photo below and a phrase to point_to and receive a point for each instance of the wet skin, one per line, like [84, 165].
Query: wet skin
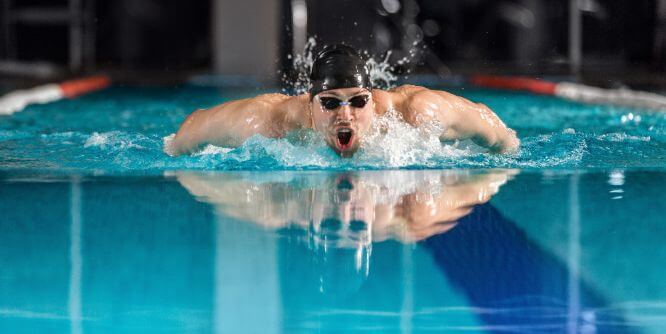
[274, 115]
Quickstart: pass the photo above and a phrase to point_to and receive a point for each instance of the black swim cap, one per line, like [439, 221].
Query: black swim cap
[338, 66]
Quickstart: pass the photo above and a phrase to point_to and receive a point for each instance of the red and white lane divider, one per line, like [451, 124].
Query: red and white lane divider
[575, 92]
[17, 100]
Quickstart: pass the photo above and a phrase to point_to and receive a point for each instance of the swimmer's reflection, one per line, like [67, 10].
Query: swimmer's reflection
[342, 214]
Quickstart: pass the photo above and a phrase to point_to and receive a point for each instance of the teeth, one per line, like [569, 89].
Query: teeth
[345, 130]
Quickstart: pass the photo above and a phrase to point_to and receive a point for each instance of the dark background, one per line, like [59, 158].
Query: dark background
[627, 37]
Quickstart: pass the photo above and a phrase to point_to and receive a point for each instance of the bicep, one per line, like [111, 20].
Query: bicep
[459, 118]
[236, 121]
[452, 113]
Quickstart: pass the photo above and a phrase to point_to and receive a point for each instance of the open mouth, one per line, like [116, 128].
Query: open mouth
[345, 137]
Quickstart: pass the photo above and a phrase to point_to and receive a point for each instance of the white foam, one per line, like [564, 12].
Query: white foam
[167, 145]
[213, 150]
[399, 144]
[114, 139]
[97, 140]
[621, 137]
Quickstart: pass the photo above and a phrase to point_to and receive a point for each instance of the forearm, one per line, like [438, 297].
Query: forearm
[227, 125]
[192, 133]
[506, 141]
[217, 126]
[479, 123]
[491, 132]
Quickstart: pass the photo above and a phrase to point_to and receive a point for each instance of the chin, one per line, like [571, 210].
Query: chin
[346, 151]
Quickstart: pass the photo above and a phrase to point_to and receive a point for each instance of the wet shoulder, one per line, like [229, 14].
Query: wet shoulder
[278, 105]
[405, 95]
[407, 90]
[292, 112]
[272, 98]
[399, 98]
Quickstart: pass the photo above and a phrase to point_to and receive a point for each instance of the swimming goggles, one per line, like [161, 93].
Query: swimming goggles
[332, 103]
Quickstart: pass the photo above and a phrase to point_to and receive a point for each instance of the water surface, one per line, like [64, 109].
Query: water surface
[121, 130]
[398, 251]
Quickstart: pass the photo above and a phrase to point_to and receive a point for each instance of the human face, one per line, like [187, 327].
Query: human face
[342, 117]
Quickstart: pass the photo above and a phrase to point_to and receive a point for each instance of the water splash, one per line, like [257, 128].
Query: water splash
[301, 65]
[399, 144]
[391, 143]
[381, 71]
[85, 134]
[167, 144]
[118, 139]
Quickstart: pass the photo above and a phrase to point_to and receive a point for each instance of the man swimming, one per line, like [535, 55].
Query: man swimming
[341, 105]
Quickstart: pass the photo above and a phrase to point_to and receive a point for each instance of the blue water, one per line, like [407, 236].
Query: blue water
[121, 130]
[103, 232]
[303, 252]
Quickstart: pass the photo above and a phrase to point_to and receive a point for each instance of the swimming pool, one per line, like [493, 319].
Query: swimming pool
[121, 130]
[103, 232]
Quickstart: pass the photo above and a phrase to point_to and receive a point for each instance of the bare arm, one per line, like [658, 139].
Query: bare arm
[462, 119]
[231, 123]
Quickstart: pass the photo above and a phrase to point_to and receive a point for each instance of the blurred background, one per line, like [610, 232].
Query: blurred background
[605, 42]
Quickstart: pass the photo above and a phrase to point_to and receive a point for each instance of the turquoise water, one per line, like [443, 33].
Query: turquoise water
[303, 252]
[121, 130]
[103, 232]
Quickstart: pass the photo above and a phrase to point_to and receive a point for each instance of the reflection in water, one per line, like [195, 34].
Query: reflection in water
[350, 209]
[344, 213]
[141, 255]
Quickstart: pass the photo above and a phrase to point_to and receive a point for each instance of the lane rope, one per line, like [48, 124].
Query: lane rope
[16, 101]
[574, 91]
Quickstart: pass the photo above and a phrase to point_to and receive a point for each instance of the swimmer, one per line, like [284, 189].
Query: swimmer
[341, 105]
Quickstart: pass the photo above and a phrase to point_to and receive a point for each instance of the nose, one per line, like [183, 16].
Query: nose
[345, 112]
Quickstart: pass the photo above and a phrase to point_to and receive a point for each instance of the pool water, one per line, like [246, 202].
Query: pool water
[302, 252]
[103, 232]
[122, 130]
